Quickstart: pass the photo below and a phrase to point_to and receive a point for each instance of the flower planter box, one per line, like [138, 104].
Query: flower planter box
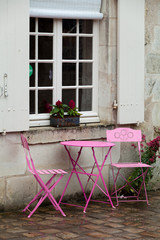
[67, 121]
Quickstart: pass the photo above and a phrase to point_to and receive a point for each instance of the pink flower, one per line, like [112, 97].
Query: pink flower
[133, 145]
[151, 160]
[58, 103]
[72, 104]
[48, 107]
[143, 137]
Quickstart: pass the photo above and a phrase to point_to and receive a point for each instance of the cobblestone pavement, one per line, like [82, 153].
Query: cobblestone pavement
[128, 221]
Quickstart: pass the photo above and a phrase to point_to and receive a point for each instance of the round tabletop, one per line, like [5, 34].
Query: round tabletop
[88, 144]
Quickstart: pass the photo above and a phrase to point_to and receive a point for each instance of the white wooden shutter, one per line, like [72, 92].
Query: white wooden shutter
[14, 65]
[130, 61]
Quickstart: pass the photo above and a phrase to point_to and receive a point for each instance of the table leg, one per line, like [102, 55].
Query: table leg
[100, 174]
[74, 163]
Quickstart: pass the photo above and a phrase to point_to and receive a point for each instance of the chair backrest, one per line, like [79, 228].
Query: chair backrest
[28, 154]
[124, 135]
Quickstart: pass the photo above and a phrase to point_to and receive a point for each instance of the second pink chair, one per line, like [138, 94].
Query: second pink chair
[127, 135]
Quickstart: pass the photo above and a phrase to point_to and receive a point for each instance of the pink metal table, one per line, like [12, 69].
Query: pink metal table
[76, 166]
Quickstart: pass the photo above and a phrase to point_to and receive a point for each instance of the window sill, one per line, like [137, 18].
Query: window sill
[89, 131]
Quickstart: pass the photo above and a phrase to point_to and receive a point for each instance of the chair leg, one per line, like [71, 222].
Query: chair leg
[114, 190]
[52, 200]
[48, 194]
[144, 184]
[38, 194]
[43, 193]
[114, 186]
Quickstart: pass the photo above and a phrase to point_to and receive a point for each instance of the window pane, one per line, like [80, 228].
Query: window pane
[86, 26]
[85, 74]
[69, 74]
[85, 99]
[68, 94]
[32, 102]
[32, 47]
[44, 100]
[69, 26]
[45, 72]
[45, 25]
[69, 48]
[32, 75]
[45, 47]
[85, 48]
[32, 24]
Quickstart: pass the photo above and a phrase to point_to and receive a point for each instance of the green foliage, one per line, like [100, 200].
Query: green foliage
[149, 152]
[73, 112]
[60, 109]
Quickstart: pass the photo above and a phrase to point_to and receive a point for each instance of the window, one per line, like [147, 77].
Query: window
[63, 66]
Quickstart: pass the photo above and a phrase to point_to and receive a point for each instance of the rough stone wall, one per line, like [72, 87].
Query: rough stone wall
[107, 81]
[152, 67]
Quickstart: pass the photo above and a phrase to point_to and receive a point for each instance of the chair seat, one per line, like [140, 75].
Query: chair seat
[130, 165]
[50, 171]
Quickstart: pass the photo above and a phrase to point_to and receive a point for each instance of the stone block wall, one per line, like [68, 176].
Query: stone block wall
[152, 67]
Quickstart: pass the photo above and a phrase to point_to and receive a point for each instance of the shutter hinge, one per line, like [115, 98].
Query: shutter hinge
[5, 85]
[115, 105]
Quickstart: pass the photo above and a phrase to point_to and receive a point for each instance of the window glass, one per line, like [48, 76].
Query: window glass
[32, 47]
[85, 48]
[32, 102]
[69, 26]
[32, 74]
[68, 74]
[69, 48]
[45, 25]
[68, 94]
[85, 74]
[44, 99]
[45, 74]
[45, 47]
[85, 26]
[85, 99]
[32, 24]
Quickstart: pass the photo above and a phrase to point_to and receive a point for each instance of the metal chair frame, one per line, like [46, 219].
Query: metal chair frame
[46, 188]
[127, 135]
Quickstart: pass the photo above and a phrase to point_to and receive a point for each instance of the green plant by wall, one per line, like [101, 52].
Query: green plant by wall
[150, 151]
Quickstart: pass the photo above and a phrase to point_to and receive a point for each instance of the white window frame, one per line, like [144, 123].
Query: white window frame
[86, 117]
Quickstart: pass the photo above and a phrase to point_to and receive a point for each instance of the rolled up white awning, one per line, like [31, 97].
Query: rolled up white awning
[66, 9]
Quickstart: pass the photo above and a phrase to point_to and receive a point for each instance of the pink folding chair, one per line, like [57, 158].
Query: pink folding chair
[127, 135]
[46, 188]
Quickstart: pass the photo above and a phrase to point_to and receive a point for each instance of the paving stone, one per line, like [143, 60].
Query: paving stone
[50, 231]
[67, 235]
[49, 238]
[134, 230]
[31, 234]
[98, 235]
[151, 234]
[128, 221]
